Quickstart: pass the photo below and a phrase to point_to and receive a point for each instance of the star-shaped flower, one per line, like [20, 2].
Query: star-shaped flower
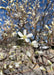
[25, 36]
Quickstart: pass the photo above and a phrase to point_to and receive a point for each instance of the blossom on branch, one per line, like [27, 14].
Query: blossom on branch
[42, 68]
[34, 44]
[25, 36]
[46, 27]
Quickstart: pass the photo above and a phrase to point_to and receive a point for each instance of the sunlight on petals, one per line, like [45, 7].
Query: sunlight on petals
[27, 40]
[30, 35]
[20, 34]
[24, 32]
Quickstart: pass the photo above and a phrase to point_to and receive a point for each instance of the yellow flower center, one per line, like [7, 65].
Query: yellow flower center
[24, 37]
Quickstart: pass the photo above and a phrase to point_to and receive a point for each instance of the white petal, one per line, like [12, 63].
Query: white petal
[21, 38]
[27, 40]
[24, 31]
[30, 35]
[20, 34]
[45, 47]
[49, 62]
[47, 26]
[17, 65]
[34, 43]
[40, 52]
[1, 73]
[42, 68]
[14, 47]
[10, 66]
[28, 53]
[36, 46]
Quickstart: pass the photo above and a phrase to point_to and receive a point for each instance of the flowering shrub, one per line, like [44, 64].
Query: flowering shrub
[25, 15]
[26, 23]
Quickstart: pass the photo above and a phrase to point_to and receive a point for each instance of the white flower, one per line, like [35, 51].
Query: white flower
[51, 68]
[42, 68]
[44, 34]
[49, 62]
[33, 13]
[14, 47]
[46, 13]
[50, 31]
[28, 54]
[10, 66]
[29, 12]
[24, 36]
[17, 64]
[5, 66]
[34, 44]
[46, 27]
[14, 34]
[1, 73]
[16, 15]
